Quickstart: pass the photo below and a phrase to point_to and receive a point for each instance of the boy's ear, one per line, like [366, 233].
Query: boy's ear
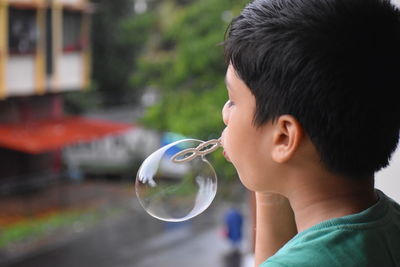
[286, 138]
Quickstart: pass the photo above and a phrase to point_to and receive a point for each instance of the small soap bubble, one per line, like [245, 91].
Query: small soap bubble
[176, 191]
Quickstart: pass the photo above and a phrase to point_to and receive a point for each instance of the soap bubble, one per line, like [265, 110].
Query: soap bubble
[176, 191]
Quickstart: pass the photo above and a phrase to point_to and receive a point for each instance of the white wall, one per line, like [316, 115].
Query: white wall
[388, 179]
[396, 2]
[20, 75]
[70, 1]
[23, 1]
[71, 71]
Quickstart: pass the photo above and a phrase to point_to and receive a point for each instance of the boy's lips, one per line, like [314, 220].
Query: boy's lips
[226, 155]
[222, 143]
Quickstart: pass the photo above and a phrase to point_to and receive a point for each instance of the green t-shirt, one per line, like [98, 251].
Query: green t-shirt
[368, 238]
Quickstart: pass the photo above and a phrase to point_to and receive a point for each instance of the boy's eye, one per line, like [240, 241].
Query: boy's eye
[230, 103]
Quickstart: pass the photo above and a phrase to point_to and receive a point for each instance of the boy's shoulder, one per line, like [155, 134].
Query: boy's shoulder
[368, 238]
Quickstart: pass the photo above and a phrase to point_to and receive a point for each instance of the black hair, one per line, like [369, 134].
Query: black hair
[332, 64]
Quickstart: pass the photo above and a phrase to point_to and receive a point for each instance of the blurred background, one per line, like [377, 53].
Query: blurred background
[88, 89]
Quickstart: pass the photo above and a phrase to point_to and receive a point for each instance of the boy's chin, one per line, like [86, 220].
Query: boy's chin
[252, 183]
[245, 181]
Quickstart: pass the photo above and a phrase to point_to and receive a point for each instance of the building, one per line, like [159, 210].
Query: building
[44, 52]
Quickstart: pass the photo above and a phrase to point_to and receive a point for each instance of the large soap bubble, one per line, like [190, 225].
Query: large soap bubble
[176, 182]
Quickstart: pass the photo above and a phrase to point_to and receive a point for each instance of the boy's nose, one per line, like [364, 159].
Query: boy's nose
[225, 111]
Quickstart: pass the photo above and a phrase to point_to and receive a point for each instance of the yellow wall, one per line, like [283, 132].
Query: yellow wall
[40, 57]
[3, 47]
[87, 55]
[57, 44]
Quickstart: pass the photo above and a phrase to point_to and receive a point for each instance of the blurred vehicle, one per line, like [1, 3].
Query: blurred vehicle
[117, 156]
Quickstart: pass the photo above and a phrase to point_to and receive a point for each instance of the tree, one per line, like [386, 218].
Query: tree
[118, 38]
[184, 61]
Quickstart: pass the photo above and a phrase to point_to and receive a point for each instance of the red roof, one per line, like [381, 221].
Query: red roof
[46, 135]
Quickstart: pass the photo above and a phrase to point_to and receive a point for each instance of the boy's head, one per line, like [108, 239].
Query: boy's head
[334, 65]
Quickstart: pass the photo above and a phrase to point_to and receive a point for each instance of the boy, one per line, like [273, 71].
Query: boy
[312, 115]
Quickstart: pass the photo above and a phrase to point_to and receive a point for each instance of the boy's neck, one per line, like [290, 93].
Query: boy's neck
[322, 198]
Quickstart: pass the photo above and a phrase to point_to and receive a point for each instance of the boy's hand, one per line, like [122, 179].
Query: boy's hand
[275, 224]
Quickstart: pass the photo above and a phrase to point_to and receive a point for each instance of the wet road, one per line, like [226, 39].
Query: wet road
[137, 240]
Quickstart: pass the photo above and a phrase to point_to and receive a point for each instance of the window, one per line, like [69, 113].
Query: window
[72, 31]
[22, 31]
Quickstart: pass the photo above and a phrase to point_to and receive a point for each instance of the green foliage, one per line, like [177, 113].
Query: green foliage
[188, 67]
[36, 227]
[185, 62]
[118, 38]
[39, 228]
[195, 114]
